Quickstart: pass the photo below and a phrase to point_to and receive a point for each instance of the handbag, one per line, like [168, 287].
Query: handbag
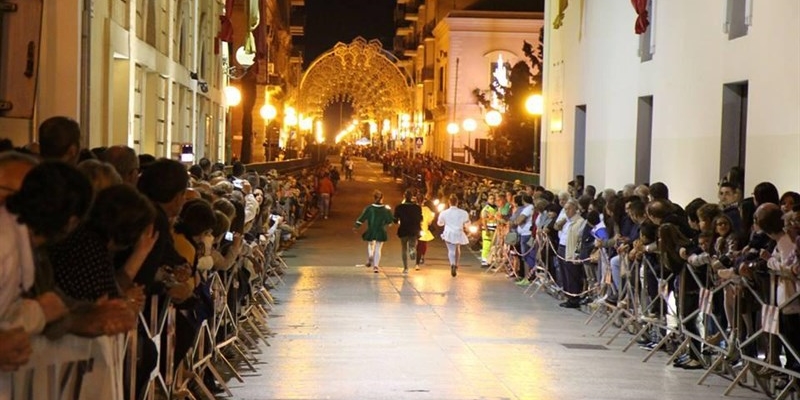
[511, 238]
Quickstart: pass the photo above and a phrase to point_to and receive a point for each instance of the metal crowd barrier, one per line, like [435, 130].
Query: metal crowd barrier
[106, 367]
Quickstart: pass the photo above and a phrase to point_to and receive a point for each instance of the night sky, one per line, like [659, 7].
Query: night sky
[332, 21]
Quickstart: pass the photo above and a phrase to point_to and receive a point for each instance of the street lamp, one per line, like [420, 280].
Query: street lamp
[493, 118]
[232, 96]
[535, 106]
[452, 129]
[469, 125]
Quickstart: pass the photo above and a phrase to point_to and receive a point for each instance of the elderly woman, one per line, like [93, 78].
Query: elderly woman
[568, 247]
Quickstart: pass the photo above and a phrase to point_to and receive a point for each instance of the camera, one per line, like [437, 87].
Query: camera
[238, 184]
[229, 236]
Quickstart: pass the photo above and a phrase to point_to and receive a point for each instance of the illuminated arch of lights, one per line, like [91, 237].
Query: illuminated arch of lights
[360, 73]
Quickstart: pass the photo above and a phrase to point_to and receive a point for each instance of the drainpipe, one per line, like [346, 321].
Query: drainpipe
[195, 65]
[86, 75]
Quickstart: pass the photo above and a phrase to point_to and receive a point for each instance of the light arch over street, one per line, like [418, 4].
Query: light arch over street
[361, 73]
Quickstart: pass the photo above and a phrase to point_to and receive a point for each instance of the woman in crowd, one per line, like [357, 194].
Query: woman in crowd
[52, 202]
[193, 241]
[454, 220]
[378, 217]
[120, 218]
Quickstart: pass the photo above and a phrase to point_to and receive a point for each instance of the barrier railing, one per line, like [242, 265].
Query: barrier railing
[505, 175]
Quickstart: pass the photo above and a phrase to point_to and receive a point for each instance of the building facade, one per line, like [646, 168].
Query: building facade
[706, 86]
[451, 49]
[145, 75]
[149, 74]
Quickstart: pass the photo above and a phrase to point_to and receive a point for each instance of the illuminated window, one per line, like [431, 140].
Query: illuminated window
[500, 74]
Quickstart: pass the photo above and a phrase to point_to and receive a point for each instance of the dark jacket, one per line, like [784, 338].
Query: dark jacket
[409, 216]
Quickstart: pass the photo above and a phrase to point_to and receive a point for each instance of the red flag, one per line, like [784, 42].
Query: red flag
[640, 6]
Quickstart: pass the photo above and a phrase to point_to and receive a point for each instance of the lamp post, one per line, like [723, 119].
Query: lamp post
[320, 136]
[452, 129]
[268, 112]
[291, 120]
[232, 99]
[306, 125]
[535, 106]
[469, 125]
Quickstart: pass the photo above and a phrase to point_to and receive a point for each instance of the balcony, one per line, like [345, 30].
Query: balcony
[411, 17]
[404, 30]
[405, 63]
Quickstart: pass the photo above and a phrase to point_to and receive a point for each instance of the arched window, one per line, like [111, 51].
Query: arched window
[182, 32]
[499, 68]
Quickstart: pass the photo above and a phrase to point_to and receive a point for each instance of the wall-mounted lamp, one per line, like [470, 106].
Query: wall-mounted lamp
[557, 120]
[202, 85]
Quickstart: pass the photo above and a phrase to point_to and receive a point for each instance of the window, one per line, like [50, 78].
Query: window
[734, 126]
[644, 139]
[151, 19]
[441, 79]
[500, 73]
[647, 40]
[579, 155]
[738, 18]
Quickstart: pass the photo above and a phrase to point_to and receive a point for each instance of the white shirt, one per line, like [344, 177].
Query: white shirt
[563, 234]
[525, 228]
[16, 277]
[453, 220]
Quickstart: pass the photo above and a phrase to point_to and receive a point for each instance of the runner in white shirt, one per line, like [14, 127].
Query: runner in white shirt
[454, 220]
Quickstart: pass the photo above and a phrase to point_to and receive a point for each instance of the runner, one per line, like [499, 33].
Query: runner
[378, 217]
[409, 215]
[425, 232]
[454, 220]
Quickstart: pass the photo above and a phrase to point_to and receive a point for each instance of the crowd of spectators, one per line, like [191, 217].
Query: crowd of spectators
[91, 239]
[714, 281]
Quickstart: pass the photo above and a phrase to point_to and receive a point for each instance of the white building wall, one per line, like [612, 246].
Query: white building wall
[693, 59]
